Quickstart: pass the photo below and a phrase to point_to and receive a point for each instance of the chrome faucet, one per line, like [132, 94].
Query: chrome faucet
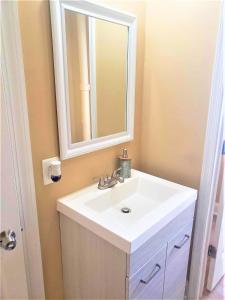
[110, 181]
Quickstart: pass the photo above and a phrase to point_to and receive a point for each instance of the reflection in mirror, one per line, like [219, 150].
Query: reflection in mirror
[97, 76]
[111, 41]
[78, 75]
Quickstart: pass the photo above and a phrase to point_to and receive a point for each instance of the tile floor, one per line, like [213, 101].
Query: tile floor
[218, 293]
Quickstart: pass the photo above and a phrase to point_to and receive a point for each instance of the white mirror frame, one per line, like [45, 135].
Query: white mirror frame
[67, 148]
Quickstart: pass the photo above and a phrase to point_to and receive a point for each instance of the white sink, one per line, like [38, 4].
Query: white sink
[153, 203]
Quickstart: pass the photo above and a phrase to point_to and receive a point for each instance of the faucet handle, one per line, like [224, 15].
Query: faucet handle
[115, 173]
[101, 181]
[107, 178]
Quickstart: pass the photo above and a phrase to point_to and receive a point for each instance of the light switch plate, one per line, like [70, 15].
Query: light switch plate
[45, 168]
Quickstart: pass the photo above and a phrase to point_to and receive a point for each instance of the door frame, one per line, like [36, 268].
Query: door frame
[210, 170]
[14, 83]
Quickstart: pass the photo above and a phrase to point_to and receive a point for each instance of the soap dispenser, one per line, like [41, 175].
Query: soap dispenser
[125, 164]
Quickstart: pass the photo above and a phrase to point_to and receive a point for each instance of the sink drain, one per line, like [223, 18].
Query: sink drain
[126, 210]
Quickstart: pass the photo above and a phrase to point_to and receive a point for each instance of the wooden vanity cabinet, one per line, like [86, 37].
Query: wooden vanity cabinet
[95, 269]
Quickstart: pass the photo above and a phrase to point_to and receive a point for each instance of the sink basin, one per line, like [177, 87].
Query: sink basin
[139, 194]
[149, 203]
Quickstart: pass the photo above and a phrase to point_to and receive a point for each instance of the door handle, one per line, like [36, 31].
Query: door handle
[152, 275]
[8, 240]
[184, 241]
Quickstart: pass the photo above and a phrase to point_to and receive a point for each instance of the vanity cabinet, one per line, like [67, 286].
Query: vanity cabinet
[93, 268]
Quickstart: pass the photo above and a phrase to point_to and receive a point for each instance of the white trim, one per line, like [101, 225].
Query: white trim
[96, 10]
[209, 176]
[16, 103]
[67, 148]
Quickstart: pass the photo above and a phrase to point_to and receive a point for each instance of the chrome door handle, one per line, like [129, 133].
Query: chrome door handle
[8, 240]
[152, 275]
[184, 241]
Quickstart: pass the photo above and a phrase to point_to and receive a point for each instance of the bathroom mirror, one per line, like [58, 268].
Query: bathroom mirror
[94, 59]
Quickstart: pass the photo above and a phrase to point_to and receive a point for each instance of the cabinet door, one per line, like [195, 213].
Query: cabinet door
[176, 264]
[147, 283]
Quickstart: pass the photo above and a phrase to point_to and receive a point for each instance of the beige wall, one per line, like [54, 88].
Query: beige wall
[179, 52]
[77, 172]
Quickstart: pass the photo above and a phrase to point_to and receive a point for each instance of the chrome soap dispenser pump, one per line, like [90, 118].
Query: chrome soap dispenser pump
[125, 164]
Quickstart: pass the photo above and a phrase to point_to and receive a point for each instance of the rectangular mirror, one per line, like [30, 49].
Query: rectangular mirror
[94, 59]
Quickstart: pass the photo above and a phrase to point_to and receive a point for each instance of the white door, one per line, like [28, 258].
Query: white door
[217, 264]
[12, 262]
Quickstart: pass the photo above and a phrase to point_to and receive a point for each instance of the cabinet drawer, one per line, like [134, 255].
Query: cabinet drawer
[176, 264]
[147, 283]
[143, 254]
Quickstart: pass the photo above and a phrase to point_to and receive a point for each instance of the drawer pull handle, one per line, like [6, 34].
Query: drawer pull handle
[184, 241]
[152, 275]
